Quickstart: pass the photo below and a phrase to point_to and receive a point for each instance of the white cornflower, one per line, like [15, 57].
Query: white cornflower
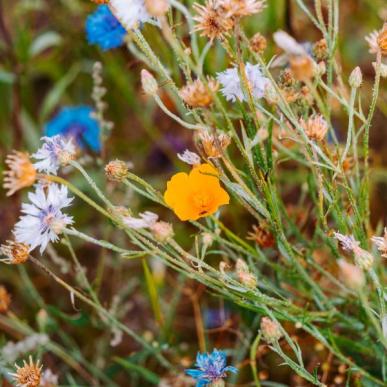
[381, 243]
[55, 151]
[147, 219]
[189, 157]
[232, 86]
[131, 13]
[43, 219]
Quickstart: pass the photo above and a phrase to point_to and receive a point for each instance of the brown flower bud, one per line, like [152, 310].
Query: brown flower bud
[258, 43]
[116, 170]
[271, 330]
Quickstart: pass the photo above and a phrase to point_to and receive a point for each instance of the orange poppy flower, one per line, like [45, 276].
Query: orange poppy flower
[195, 195]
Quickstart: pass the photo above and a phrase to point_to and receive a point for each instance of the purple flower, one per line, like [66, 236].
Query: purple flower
[211, 368]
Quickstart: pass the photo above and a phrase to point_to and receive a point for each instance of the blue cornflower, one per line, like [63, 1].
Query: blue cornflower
[211, 368]
[104, 29]
[77, 123]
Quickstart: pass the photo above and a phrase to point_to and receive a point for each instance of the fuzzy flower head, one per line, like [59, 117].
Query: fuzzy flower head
[211, 20]
[104, 30]
[28, 375]
[15, 253]
[315, 127]
[197, 194]
[381, 243]
[198, 95]
[241, 8]
[54, 152]
[43, 218]
[20, 174]
[363, 259]
[211, 368]
[131, 13]
[78, 123]
[271, 330]
[213, 145]
[232, 87]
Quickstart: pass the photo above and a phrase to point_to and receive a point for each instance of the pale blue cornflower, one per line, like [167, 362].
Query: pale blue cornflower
[232, 88]
[43, 219]
[212, 368]
[54, 152]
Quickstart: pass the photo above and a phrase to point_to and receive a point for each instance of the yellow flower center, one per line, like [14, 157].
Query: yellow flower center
[202, 201]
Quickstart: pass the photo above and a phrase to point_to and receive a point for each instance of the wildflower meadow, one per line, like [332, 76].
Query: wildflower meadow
[193, 193]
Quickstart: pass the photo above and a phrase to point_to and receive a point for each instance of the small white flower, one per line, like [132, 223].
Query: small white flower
[348, 242]
[54, 152]
[48, 379]
[131, 13]
[146, 219]
[189, 157]
[43, 219]
[232, 86]
[381, 243]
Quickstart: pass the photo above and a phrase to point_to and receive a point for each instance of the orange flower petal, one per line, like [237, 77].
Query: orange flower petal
[196, 195]
[176, 189]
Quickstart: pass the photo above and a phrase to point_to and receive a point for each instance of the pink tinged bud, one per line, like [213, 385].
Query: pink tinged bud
[271, 330]
[157, 8]
[244, 274]
[162, 231]
[149, 83]
[352, 275]
[356, 78]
